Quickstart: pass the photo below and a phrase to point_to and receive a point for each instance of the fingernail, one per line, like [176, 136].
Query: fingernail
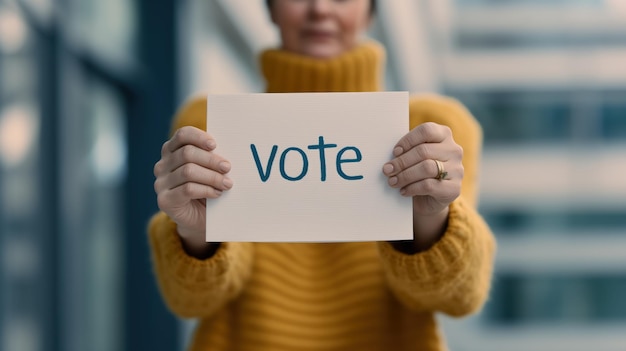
[211, 144]
[228, 183]
[402, 192]
[398, 151]
[393, 180]
[224, 166]
[388, 168]
[218, 192]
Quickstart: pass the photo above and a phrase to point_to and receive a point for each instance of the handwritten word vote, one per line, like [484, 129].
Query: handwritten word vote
[348, 154]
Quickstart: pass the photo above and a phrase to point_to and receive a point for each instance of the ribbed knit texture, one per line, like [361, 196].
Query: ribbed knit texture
[357, 70]
[336, 296]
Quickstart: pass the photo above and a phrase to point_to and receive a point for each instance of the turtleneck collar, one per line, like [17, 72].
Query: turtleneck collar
[357, 70]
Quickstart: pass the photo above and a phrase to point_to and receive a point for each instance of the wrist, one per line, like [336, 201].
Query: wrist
[427, 231]
[190, 234]
[195, 245]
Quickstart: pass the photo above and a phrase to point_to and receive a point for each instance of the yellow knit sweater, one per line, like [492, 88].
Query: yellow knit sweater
[332, 296]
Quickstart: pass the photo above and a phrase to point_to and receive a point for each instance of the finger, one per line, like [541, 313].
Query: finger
[416, 155]
[441, 191]
[428, 132]
[159, 168]
[196, 174]
[423, 170]
[193, 154]
[189, 135]
[186, 192]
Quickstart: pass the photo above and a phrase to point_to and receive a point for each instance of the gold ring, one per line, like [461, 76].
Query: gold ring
[441, 172]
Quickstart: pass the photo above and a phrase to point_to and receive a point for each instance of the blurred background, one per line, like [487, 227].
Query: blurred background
[88, 88]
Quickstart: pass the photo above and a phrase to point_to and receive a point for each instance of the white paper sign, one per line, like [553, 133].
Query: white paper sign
[308, 167]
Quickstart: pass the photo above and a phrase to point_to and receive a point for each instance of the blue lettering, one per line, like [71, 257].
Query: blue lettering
[322, 147]
[305, 164]
[340, 160]
[264, 175]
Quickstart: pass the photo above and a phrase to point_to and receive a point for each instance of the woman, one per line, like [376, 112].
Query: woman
[338, 296]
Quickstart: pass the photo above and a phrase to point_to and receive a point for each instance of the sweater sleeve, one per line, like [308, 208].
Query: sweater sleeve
[454, 275]
[189, 286]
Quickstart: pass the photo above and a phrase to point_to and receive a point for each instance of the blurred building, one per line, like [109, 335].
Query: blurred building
[87, 89]
[547, 81]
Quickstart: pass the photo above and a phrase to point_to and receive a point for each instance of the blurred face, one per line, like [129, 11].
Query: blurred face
[320, 28]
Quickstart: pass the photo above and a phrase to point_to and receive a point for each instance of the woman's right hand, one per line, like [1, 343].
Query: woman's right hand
[188, 173]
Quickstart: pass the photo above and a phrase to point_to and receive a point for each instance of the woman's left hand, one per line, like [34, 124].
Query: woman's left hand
[414, 169]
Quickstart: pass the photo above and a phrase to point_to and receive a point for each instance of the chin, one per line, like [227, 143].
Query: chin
[323, 51]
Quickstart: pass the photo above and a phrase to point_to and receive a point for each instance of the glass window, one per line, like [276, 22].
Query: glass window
[556, 116]
[520, 117]
[580, 221]
[614, 121]
[104, 218]
[61, 243]
[22, 270]
[557, 298]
